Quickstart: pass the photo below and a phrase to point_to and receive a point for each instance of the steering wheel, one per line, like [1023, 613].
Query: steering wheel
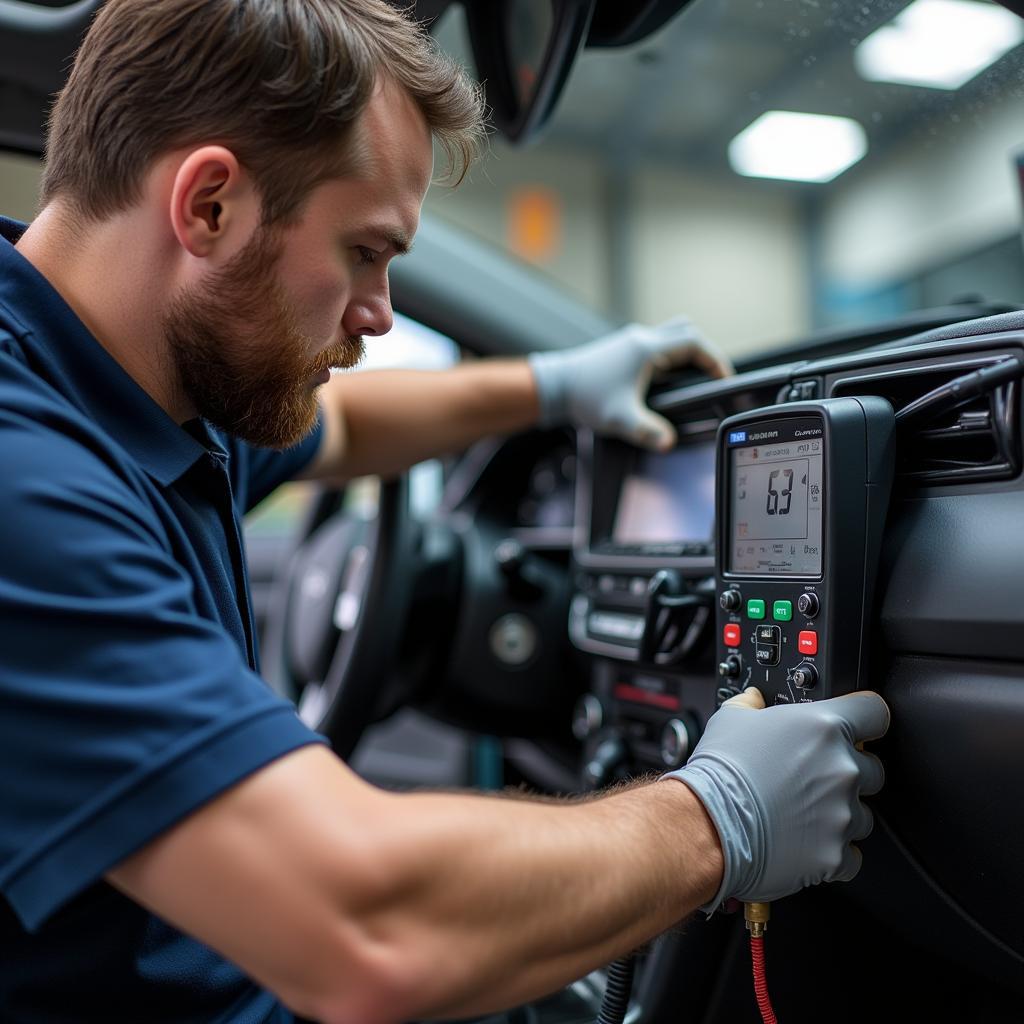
[338, 613]
[445, 613]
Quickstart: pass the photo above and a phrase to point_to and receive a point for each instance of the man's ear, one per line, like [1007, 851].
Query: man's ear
[214, 205]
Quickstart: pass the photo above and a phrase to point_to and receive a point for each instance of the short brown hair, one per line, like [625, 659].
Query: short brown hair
[280, 82]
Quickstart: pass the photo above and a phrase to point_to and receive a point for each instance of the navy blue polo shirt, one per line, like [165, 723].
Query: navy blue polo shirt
[129, 693]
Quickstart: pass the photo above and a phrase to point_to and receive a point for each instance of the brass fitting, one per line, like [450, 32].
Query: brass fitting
[756, 915]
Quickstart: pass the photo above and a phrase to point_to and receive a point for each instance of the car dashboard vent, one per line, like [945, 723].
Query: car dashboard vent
[976, 440]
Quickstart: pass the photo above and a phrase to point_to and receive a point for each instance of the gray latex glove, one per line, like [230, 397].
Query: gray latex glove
[603, 384]
[782, 786]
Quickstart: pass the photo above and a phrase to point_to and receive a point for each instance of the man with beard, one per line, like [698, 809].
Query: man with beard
[226, 183]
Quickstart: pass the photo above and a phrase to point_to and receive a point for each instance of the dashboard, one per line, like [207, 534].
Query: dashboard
[639, 514]
[944, 622]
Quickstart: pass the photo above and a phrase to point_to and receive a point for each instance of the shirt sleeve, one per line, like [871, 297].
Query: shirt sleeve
[121, 709]
[258, 471]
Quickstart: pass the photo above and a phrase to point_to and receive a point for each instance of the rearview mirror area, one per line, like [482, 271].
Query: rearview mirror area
[524, 51]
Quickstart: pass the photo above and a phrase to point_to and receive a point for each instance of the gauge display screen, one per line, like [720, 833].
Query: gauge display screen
[776, 497]
[668, 497]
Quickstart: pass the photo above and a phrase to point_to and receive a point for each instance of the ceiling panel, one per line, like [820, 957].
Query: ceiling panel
[686, 92]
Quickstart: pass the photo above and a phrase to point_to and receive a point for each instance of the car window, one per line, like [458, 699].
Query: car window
[666, 182]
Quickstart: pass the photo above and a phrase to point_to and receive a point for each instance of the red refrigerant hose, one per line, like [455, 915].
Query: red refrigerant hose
[756, 915]
[764, 1003]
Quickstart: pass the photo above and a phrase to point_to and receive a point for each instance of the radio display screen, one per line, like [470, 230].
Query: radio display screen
[776, 496]
[668, 497]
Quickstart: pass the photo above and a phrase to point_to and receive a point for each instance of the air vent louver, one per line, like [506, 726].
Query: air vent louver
[976, 441]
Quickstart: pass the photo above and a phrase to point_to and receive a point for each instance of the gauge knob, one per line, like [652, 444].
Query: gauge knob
[805, 676]
[730, 600]
[808, 605]
[731, 667]
[676, 743]
[587, 716]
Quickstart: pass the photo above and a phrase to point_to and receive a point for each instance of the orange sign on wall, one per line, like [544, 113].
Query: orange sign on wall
[534, 224]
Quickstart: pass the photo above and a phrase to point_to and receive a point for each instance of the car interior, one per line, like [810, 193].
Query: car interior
[831, 190]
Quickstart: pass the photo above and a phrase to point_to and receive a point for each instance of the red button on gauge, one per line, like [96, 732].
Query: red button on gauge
[807, 642]
[731, 634]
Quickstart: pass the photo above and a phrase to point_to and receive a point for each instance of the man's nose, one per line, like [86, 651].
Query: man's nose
[369, 313]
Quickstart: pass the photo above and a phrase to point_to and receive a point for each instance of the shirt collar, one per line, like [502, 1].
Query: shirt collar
[78, 366]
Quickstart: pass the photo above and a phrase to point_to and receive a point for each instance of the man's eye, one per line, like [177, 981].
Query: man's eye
[366, 256]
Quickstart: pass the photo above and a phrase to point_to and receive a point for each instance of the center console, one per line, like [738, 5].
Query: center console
[643, 601]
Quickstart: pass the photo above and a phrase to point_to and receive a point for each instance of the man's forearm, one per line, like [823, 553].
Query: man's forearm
[392, 419]
[500, 902]
[383, 422]
[357, 905]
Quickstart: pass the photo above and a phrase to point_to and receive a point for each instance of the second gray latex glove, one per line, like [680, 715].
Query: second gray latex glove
[603, 384]
[782, 785]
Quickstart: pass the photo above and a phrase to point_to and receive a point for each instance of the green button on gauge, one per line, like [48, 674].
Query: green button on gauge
[782, 611]
[755, 608]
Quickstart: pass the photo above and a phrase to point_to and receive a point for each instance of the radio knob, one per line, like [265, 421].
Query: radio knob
[808, 605]
[731, 667]
[805, 676]
[675, 743]
[730, 600]
[587, 716]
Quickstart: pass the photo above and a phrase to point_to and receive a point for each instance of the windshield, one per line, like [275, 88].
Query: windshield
[669, 180]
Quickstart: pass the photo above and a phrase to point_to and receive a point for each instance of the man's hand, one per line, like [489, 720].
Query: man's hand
[782, 786]
[603, 384]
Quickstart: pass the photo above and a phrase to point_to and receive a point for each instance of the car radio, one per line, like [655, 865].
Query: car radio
[802, 496]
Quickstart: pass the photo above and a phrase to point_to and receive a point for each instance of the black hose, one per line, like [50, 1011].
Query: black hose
[616, 991]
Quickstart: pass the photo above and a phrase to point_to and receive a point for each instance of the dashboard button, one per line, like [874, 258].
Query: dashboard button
[731, 635]
[782, 611]
[769, 635]
[807, 642]
[755, 608]
[766, 654]
[808, 605]
[615, 626]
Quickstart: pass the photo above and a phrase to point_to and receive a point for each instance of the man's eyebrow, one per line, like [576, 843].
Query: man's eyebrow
[394, 237]
[399, 241]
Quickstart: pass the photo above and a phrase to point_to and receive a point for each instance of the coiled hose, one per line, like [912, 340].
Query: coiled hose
[764, 1003]
[616, 991]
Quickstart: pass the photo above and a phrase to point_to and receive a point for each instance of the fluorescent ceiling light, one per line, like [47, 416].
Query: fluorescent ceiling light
[939, 43]
[799, 147]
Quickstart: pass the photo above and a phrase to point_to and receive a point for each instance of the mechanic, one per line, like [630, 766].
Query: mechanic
[226, 183]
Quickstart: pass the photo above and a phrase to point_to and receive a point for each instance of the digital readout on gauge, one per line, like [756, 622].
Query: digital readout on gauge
[777, 495]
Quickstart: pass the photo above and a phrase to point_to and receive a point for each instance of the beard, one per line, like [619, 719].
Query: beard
[240, 357]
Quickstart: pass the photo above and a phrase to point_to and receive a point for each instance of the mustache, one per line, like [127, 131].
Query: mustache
[342, 355]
